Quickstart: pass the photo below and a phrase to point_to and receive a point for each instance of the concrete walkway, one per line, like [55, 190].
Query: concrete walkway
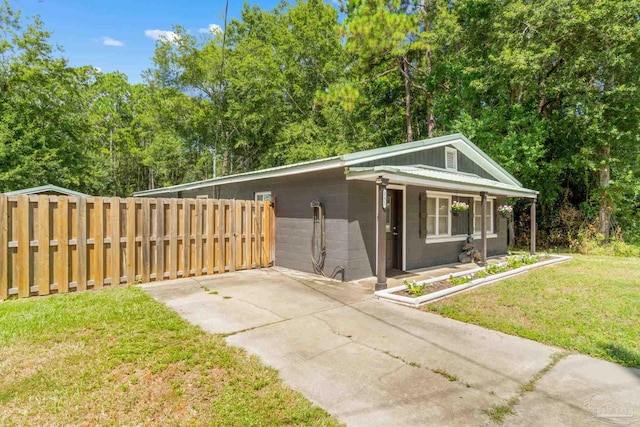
[372, 363]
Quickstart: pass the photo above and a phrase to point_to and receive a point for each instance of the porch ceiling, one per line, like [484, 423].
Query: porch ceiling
[437, 178]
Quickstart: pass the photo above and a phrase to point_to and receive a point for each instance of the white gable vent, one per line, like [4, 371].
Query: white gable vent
[451, 158]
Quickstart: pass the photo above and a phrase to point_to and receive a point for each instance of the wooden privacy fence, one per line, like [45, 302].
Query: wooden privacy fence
[60, 244]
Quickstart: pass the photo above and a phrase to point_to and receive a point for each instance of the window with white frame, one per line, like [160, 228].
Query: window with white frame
[263, 196]
[477, 216]
[438, 215]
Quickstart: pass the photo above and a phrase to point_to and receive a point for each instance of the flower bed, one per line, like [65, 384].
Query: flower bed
[417, 293]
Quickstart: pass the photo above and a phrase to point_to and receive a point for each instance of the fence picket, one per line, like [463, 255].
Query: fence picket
[97, 229]
[23, 259]
[145, 257]
[81, 243]
[4, 247]
[198, 243]
[131, 240]
[61, 271]
[43, 262]
[160, 239]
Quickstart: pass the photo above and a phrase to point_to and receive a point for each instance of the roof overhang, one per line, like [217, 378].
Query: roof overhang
[45, 188]
[458, 141]
[438, 180]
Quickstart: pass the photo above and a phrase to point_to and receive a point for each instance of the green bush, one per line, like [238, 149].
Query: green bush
[414, 289]
[461, 280]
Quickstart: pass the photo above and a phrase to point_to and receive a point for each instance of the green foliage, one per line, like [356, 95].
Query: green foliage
[588, 305]
[460, 280]
[492, 269]
[414, 289]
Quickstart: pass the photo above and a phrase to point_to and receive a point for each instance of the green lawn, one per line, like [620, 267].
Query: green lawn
[117, 357]
[590, 304]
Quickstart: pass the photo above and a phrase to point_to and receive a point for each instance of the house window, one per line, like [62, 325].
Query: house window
[263, 196]
[451, 158]
[438, 216]
[477, 216]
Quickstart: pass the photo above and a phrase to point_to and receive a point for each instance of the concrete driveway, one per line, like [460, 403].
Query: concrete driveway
[372, 363]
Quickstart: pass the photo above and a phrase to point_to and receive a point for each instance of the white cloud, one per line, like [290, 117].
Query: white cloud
[213, 29]
[164, 35]
[108, 41]
[98, 69]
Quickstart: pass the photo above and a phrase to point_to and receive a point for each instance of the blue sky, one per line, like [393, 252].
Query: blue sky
[119, 34]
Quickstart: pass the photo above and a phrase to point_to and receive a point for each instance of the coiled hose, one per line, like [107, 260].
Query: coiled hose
[317, 260]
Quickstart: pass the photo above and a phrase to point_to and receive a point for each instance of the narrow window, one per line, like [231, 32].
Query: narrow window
[451, 158]
[477, 217]
[438, 216]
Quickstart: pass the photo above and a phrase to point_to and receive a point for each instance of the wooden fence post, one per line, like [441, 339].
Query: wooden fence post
[4, 247]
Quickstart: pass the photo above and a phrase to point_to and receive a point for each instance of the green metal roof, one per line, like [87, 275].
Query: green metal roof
[457, 140]
[44, 189]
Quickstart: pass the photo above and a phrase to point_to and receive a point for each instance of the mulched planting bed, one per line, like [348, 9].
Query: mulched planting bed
[418, 289]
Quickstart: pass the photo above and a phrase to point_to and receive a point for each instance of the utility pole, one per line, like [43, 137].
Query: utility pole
[214, 155]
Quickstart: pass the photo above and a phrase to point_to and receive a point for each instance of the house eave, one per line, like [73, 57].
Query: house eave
[398, 177]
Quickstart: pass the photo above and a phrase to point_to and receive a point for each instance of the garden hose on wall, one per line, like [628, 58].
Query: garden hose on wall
[318, 244]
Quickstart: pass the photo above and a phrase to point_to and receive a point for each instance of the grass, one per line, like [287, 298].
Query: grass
[117, 357]
[589, 305]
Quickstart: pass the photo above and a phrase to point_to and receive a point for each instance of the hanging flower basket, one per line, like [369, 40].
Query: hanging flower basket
[459, 207]
[505, 211]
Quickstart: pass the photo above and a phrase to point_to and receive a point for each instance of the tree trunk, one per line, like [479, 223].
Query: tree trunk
[404, 70]
[604, 175]
[431, 125]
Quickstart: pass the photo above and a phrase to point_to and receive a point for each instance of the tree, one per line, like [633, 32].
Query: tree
[43, 128]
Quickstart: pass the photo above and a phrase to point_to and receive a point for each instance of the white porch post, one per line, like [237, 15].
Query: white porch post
[381, 221]
[483, 232]
[533, 226]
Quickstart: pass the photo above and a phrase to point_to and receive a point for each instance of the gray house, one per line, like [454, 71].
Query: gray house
[377, 211]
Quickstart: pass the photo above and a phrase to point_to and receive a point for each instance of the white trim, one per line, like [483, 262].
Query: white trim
[447, 151]
[437, 197]
[490, 202]
[403, 188]
[426, 182]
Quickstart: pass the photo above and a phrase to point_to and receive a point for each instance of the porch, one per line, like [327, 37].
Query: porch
[430, 228]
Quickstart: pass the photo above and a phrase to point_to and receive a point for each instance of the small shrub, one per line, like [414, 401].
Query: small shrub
[414, 289]
[481, 274]
[496, 268]
[459, 280]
